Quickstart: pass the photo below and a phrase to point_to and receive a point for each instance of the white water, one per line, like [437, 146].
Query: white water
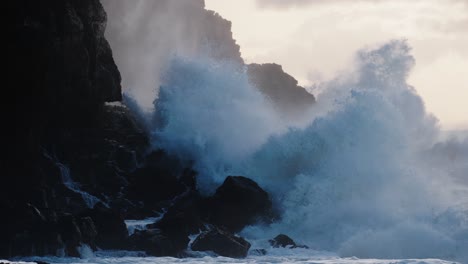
[358, 177]
[293, 256]
[89, 199]
[67, 180]
[133, 225]
[366, 174]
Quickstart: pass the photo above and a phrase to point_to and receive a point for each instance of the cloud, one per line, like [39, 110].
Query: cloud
[299, 3]
[279, 4]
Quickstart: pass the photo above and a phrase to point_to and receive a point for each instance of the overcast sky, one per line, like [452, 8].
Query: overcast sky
[315, 39]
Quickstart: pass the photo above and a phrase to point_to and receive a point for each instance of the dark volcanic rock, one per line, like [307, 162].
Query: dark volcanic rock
[238, 202]
[88, 231]
[282, 240]
[31, 231]
[25, 230]
[158, 181]
[222, 243]
[63, 69]
[156, 243]
[62, 72]
[185, 217]
[111, 230]
[71, 234]
[281, 88]
[182, 219]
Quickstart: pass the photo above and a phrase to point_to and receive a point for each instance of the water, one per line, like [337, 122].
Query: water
[365, 176]
[359, 175]
[89, 199]
[133, 225]
[67, 180]
[295, 256]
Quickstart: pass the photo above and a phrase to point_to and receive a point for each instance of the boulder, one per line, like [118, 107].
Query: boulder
[184, 217]
[156, 243]
[222, 243]
[238, 202]
[283, 241]
[181, 220]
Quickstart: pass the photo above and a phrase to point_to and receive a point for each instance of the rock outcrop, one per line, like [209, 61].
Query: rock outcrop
[284, 241]
[63, 72]
[222, 243]
[238, 202]
[76, 166]
[161, 28]
[282, 89]
[156, 243]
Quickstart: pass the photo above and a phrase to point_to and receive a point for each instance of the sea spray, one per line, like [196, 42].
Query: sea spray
[353, 179]
[208, 112]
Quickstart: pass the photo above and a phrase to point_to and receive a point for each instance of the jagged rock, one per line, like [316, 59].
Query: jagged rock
[110, 226]
[181, 220]
[222, 243]
[185, 217]
[26, 230]
[88, 231]
[282, 240]
[283, 90]
[238, 202]
[158, 181]
[71, 234]
[156, 243]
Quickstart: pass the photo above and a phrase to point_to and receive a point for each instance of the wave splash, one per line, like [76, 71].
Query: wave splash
[357, 177]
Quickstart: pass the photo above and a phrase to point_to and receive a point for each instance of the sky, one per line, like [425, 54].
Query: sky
[315, 40]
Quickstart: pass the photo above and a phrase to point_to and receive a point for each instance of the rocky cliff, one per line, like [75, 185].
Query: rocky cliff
[76, 166]
[146, 34]
[281, 88]
[63, 72]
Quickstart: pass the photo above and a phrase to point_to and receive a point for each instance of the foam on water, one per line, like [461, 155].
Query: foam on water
[133, 225]
[281, 256]
[89, 199]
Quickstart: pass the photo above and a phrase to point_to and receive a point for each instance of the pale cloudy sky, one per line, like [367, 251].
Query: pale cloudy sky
[315, 39]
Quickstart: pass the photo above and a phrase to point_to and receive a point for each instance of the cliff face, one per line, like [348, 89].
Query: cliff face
[145, 34]
[74, 166]
[62, 72]
[281, 88]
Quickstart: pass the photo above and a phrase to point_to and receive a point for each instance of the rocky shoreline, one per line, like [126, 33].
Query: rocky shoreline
[79, 166]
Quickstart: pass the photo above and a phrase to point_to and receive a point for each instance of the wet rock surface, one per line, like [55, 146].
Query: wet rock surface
[238, 202]
[77, 166]
[222, 243]
[284, 241]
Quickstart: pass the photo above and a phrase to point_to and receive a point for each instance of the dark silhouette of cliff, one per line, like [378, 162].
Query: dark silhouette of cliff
[281, 88]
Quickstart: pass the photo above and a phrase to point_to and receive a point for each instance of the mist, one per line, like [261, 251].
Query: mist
[145, 35]
[363, 172]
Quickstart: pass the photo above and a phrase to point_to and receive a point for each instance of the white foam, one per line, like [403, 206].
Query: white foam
[133, 225]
